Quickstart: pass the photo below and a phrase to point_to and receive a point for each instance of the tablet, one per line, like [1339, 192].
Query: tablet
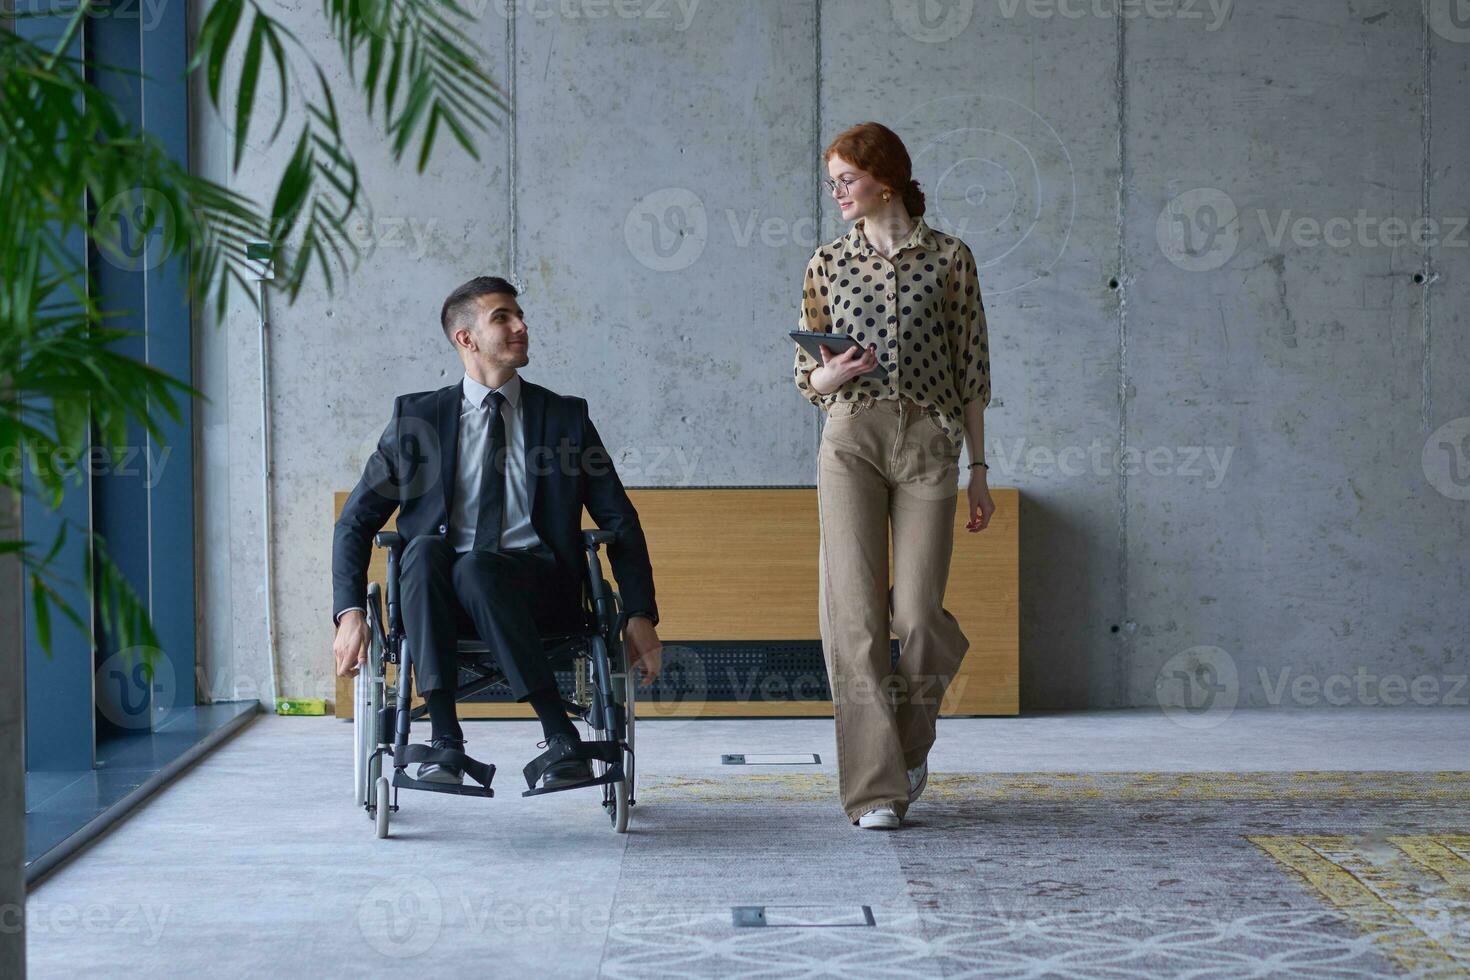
[812, 341]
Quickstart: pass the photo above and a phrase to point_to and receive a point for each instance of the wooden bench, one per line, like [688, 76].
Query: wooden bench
[740, 564]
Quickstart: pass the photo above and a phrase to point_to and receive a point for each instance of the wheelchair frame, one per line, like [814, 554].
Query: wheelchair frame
[606, 692]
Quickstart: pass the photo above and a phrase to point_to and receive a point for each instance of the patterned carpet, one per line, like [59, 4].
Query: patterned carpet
[1305, 874]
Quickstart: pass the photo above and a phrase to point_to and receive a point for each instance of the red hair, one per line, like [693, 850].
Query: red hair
[878, 150]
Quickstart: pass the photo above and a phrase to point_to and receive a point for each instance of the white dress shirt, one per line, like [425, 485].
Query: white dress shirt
[474, 440]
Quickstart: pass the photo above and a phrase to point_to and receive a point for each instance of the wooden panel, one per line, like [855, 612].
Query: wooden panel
[741, 564]
[984, 594]
[737, 564]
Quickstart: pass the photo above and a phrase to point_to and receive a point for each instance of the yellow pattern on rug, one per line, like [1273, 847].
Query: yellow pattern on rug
[1410, 893]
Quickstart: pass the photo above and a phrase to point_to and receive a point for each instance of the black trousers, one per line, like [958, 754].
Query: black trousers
[501, 596]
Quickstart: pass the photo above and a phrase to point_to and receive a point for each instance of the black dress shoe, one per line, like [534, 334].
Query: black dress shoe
[441, 772]
[568, 771]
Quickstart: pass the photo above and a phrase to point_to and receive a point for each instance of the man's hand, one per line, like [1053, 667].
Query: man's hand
[351, 645]
[644, 649]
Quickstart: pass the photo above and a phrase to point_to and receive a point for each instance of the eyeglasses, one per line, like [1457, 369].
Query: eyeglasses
[846, 183]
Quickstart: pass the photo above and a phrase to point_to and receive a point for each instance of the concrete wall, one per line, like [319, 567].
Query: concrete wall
[1239, 453]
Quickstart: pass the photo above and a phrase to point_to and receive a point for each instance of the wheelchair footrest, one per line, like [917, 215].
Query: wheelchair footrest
[600, 749]
[613, 775]
[403, 780]
[406, 755]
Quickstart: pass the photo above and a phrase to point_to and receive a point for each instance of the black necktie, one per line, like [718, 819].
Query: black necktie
[491, 519]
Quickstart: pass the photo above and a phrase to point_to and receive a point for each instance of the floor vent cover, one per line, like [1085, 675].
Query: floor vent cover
[771, 759]
[800, 916]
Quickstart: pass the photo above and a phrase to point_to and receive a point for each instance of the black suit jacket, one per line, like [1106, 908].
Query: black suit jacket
[413, 468]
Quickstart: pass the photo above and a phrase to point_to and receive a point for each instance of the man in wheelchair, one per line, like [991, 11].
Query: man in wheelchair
[489, 477]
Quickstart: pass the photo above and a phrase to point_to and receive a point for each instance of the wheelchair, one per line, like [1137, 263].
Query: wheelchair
[604, 696]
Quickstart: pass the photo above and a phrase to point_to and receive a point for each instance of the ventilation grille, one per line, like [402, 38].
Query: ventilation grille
[776, 670]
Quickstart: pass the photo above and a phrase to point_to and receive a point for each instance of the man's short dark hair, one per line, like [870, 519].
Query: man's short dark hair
[463, 298]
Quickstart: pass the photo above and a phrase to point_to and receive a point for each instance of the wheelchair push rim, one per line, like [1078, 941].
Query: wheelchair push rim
[368, 699]
[616, 796]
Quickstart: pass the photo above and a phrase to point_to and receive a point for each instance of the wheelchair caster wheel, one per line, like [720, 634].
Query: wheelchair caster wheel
[381, 813]
[617, 807]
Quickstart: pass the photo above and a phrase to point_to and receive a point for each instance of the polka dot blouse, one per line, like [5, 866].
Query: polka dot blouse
[923, 310]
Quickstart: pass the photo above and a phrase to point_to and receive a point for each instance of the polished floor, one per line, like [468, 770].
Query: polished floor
[1126, 844]
[63, 807]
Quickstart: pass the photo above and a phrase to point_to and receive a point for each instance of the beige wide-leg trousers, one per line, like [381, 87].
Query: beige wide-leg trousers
[881, 462]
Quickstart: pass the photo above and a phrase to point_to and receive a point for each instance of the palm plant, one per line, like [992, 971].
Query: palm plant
[65, 147]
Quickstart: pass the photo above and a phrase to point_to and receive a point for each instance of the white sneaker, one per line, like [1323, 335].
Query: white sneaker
[918, 779]
[882, 818]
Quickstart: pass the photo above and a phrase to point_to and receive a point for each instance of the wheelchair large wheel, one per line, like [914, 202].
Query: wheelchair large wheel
[367, 699]
[369, 694]
[616, 799]
[360, 751]
[630, 698]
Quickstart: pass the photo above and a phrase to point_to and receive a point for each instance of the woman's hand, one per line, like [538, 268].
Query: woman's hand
[981, 506]
[838, 369]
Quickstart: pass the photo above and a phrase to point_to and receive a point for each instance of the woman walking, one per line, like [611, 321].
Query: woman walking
[890, 457]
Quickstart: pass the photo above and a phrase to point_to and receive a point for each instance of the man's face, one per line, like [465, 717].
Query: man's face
[498, 337]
